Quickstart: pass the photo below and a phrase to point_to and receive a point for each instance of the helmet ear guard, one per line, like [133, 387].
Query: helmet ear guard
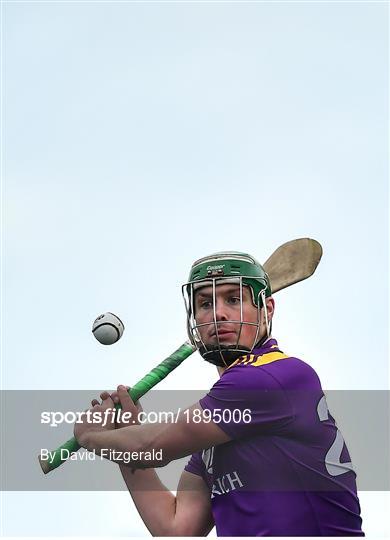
[219, 269]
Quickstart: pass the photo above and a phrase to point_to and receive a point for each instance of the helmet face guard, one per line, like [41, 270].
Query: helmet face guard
[225, 268]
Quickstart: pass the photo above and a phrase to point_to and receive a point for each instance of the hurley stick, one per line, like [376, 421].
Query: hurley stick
[290, 263]
[140, 389]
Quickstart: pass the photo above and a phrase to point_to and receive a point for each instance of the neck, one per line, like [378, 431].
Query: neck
[220, 370]
[266, 339]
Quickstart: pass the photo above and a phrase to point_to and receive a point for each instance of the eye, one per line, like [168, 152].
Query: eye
[206, 304]
[234, 300]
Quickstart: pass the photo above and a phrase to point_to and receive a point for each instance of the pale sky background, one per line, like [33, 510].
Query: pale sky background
[137, 137]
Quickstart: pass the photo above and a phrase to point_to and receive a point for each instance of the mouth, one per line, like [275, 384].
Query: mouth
[223, 333]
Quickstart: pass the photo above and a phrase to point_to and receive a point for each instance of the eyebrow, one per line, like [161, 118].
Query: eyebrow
[233, 288]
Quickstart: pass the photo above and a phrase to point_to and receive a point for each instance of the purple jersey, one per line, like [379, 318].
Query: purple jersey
[287, 471]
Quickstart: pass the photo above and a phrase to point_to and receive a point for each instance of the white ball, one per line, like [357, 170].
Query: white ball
[107, 328]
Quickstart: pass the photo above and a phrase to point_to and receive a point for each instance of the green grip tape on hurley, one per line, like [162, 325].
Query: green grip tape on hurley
[143, 386]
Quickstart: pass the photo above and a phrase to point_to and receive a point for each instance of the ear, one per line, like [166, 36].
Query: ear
[270, 303]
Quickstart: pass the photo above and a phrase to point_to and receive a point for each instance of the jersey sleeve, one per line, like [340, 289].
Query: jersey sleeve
[195, 465]
[248, 401]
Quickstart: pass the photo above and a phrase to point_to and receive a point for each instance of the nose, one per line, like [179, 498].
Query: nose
[221, 311]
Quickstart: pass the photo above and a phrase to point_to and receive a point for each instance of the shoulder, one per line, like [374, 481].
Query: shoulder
[270, 371]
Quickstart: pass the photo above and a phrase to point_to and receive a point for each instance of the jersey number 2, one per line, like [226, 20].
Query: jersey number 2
[332, 458]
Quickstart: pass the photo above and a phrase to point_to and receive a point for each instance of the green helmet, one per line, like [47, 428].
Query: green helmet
[217, 269]
[233, 264]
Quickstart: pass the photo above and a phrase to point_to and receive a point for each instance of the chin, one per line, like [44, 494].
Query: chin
[224, 354]
[223, 343]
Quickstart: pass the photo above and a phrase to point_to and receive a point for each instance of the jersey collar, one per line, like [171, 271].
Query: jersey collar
[269, 344]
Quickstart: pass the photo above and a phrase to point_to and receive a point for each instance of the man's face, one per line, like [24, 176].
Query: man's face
[227, 308]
